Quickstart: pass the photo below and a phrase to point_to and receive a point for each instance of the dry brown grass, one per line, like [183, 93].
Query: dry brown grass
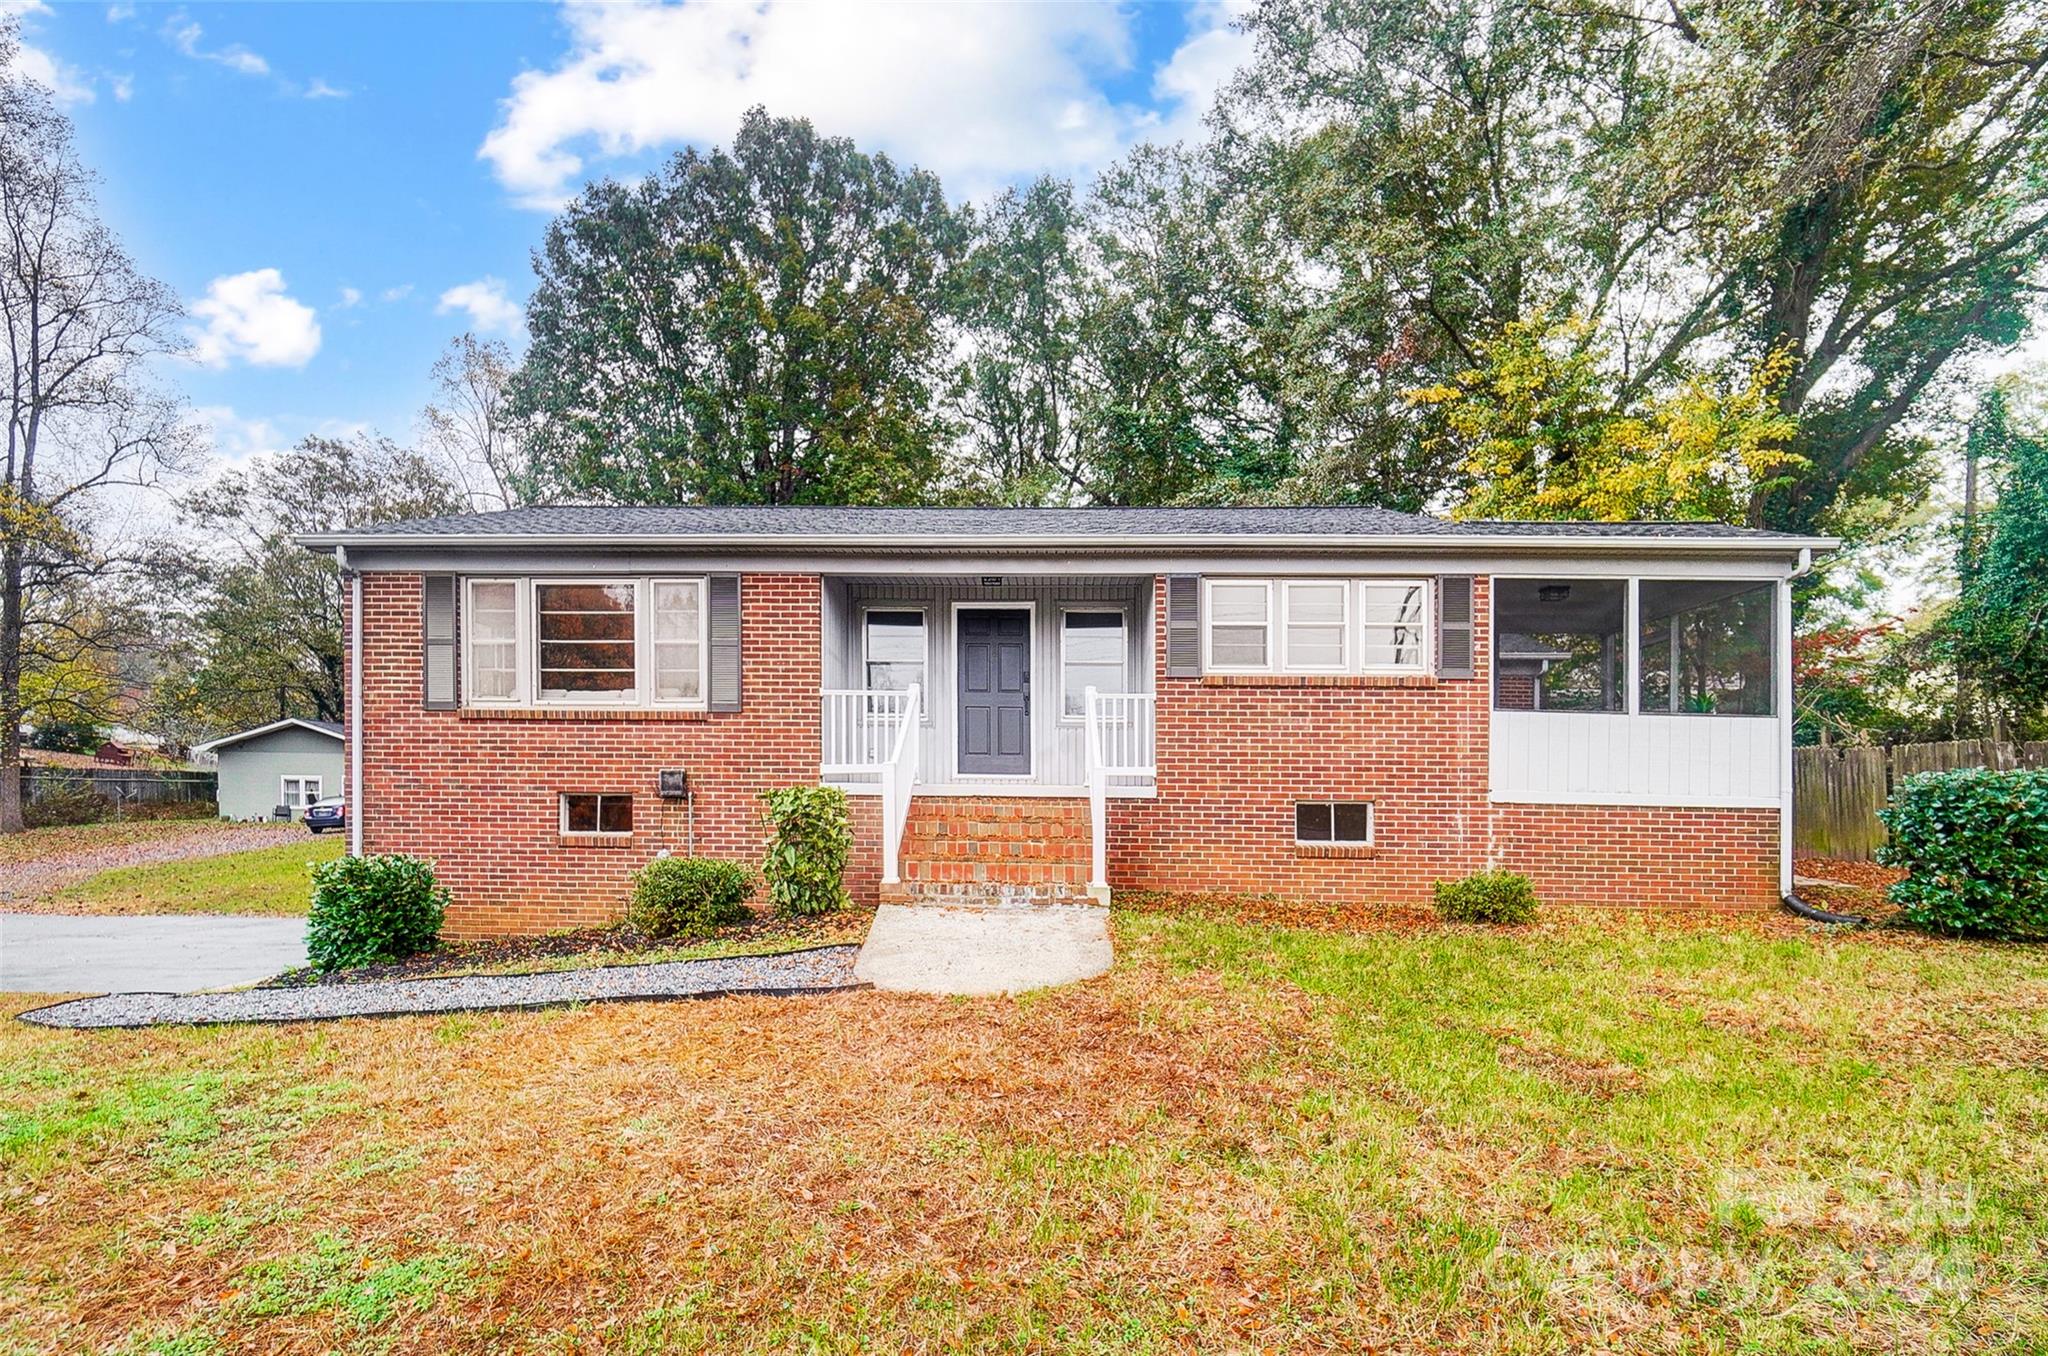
[1621, 1137]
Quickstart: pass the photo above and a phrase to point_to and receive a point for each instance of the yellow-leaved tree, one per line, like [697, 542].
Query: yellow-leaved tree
[1540, 437]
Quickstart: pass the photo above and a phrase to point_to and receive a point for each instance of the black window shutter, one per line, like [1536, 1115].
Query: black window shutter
[725, 641]
[1183, 626]
[437, 630]
[1454, 626]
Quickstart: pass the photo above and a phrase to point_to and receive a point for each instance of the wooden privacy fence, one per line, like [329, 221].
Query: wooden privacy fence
[119, 786]
[1837, 792]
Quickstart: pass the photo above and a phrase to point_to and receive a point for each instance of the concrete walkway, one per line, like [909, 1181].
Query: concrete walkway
[928, 948]
[69, 953]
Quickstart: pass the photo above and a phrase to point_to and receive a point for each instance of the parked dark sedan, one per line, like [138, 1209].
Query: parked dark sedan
[322, 815]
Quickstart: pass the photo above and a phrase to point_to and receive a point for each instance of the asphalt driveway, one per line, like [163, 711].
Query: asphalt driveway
[63, 953]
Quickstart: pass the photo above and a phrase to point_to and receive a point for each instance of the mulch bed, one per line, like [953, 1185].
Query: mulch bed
[791, 934]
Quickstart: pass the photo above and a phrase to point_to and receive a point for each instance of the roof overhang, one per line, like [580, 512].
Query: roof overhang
[289, 722]
[1100, 543]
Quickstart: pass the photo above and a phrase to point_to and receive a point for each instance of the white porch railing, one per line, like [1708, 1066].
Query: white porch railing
[861, 728]
[1119, 744]
[876, 734]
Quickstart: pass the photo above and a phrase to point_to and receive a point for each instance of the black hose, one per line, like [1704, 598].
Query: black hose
[1819, 915]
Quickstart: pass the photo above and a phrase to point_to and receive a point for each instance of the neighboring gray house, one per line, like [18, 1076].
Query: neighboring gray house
[289, 762]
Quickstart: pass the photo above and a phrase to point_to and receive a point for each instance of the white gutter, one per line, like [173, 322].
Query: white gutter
[1785, 764]
[355, 702]
[1209, 541]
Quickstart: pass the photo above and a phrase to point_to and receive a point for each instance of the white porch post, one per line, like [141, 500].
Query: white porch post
[1098, 794]
[1781, 672]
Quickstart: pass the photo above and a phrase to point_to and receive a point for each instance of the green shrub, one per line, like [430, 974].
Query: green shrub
[368, 909]
[1975, 845]
[688, 896]
[1487, 897]
[811, 837]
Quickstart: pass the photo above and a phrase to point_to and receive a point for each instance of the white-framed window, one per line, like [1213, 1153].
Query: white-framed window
[298, 792]
[894, 651]
[586, 640]
[491, 613]
[676, 647]
[1393, 625]
[597, 813]
[1094, 652]
[639, 641]
[1239, 631]
[1315, 621]
[1333, 823]
[1323, 625]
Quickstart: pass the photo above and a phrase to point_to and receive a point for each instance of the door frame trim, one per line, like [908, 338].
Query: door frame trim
[1029, 607]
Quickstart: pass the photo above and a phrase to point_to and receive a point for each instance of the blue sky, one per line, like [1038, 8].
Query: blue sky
[338, 189]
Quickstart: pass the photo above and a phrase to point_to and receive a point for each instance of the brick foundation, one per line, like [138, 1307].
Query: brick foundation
[476, 792]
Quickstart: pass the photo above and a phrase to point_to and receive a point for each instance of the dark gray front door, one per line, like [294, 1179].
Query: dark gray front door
[995, 691]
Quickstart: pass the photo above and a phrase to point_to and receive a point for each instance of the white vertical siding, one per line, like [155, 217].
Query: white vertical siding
[1648, 760]
[1057, 755]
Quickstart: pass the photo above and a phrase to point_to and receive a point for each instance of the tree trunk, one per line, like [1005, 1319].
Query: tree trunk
[10, 689]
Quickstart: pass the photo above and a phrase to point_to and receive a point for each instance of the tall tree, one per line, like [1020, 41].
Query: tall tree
[1020, 384]
[83, 324]
[755, 325]
[1997, 632]
[1855, 185]
[262, 637]
[471, 426]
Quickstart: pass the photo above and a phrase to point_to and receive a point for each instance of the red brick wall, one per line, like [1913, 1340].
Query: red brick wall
[477, 792]
[1234, 756]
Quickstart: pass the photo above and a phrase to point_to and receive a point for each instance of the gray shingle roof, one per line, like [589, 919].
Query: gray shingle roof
[1099, 524]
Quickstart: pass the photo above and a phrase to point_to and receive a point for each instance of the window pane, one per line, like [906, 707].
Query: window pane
[586, 637]
[896, 650]
[1706, 647]
[678, 640]
[1238, 633]
[1315, 625]
[1237, 604]
[1312, 821]
[580, 814]
[1353, 822]
[1091, 655]
[494, 641]
[1557, 644]
[615, 814]
[1394, 619]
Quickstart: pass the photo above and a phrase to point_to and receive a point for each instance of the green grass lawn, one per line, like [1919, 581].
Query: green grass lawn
[269, 880]
[1626, 1135]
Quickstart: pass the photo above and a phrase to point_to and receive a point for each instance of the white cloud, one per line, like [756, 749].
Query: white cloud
[123, 86]
[66, 82]
[120, 14]
[351, 297]
[320, 89]
[248, 317]
[1188, 83]
[234, 437]
[981, 94]
[183, 32]
[490, 310]
[398, 293]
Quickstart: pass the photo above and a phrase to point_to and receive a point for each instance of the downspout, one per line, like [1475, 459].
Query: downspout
[355, 702]
[1792, 901]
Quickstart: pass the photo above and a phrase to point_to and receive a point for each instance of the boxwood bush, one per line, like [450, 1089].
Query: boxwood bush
[810, 837]
[1974, 843]
[1487, 897]
[689, 896]
[369, 909]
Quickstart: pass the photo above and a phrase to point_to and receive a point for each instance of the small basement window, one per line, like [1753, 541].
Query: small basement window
[1323, 823]
[597, 814]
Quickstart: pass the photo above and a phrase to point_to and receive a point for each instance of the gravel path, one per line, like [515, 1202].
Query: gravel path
[25, 884]
[819, 970]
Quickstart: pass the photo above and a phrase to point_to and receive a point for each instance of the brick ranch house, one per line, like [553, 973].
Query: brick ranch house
[1321, 703]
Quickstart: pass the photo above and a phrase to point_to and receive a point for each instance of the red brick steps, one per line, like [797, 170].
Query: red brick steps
[980, 851]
